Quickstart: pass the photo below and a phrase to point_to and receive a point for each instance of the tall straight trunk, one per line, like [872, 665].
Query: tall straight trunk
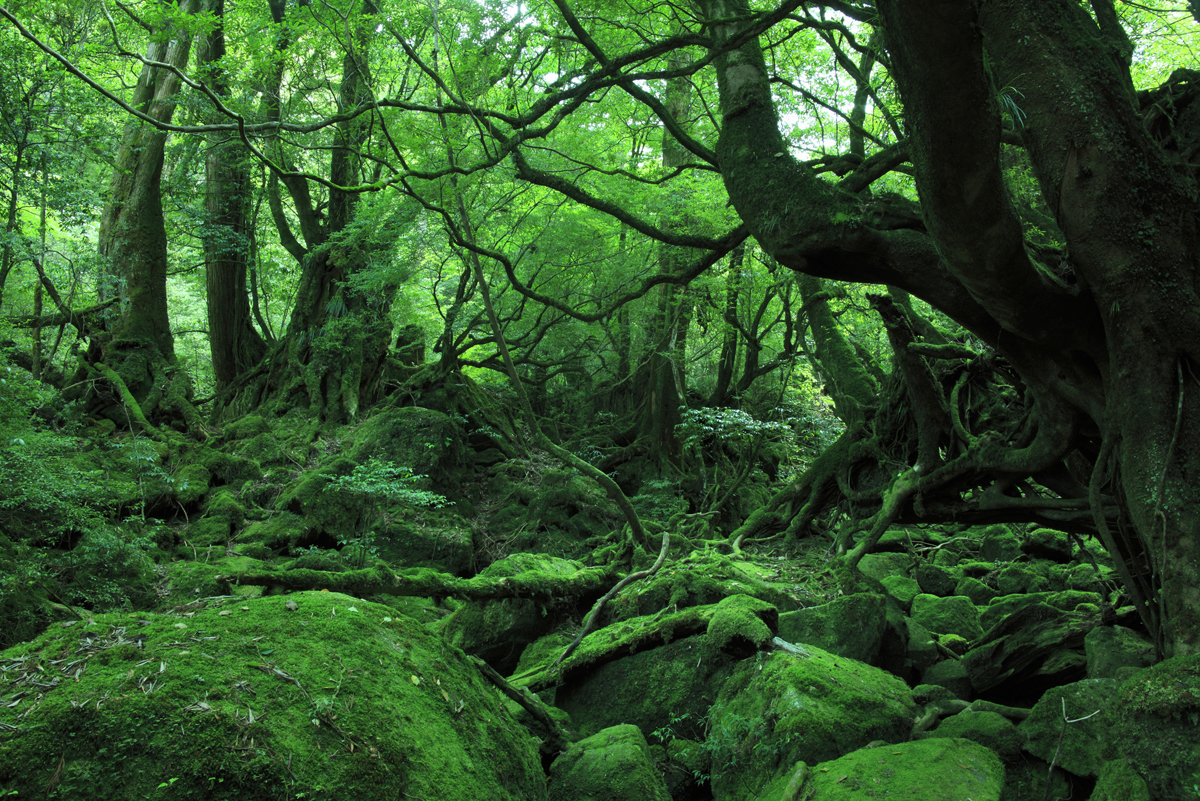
[7, 257]
[727, 363]
[234, 343]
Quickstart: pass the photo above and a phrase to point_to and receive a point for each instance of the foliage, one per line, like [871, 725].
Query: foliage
[375, 483]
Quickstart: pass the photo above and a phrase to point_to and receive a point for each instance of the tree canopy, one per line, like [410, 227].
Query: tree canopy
[861, 263]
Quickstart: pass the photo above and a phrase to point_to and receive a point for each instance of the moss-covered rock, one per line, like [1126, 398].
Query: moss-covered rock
[1158, 726]
[498, 631]
[669, 686]
[330, 696]
[781, 708]
[931, 770]
[979, 593]
[1020, 578]
[190, 483]
[935, 580]
[922, 649]
[989, 729]
[611, 765]
[698, 579]
[881, 565]
[1088, 741]
[852, 626]
[902, 589]
[1066, 601]
[1046, 543]
[279, 532]
[1026, 779]
[736, 627]
[427, 441]
[1115, 652]
[951, 674]
[246, 427]
[951, 615]
[998, 543]
[1119, 782]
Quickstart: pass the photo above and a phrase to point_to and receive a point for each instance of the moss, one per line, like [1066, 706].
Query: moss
[989, 729]
[611, 765]
[932, 770]
[979, 593]
[247, 700]
[191, 483]
[736, 628]
[425, 440]
[1158, 715]
[281, 531]
[780, 708]
[902, 589]
[853, 626]
[952, 615]
[1119, 782]
[1086, 744]
[249, 426]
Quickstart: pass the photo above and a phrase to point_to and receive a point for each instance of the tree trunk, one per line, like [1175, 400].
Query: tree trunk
[234, 343]
[1104, 359]
[133, 242]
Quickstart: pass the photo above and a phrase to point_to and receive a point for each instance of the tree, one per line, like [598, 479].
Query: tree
[1098, 336]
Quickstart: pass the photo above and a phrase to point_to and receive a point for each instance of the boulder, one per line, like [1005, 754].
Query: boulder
[316, 694]
[612, 765]
[1115, 652]
[952, 615]
[809, 706]
[1087, 735]
[852, 626]
[1157, 726]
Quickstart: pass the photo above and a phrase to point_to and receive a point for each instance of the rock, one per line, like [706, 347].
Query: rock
[1089, 740]
[935, 580]
[989, 729]
[736, 629]
[427, 441]
[852, 626]
[182, 693]
[1113, 649]
[931, 770]
[652, 689]
[1046, 543]
[1016, 651]
[611, 765]
[1066, 601]
[922, 646]
[902, 589]
[1018, 578]
[952, 615]
[1025, 779]
[497, 631]
[999, 544]
[880, 565]
[949, 673]
[1119, 782]
[782, 708]
[979, 593]
[1157, 726]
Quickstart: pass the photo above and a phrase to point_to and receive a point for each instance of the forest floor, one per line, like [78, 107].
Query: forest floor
[382, 611]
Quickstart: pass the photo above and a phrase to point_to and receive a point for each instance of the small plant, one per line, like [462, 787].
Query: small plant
[375, 483]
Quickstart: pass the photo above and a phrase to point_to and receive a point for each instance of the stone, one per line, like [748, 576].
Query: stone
[989, 729]
[949, 673]
[1157, 726]
[851, 626]
[902, 589]
[952, 615]
[935, 580]
[1111, 648]
[612, 765]
[782, 708]
[1088, 739]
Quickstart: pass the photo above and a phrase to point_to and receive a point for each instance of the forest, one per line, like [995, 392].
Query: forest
[600, 399]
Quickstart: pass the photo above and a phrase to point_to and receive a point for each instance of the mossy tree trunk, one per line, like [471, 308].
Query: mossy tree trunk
[1099, 364]
[337, 341]
[139, 347]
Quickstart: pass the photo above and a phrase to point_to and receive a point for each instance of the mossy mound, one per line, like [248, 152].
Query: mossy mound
[929, 770]
[498, 630]
[852, 626]
[702, 578]
[1158, 726]
[781, 708]
[611, 765]
[951, 615]
[1089, 740]
[424, 440]
[986, 728]
[316, 695]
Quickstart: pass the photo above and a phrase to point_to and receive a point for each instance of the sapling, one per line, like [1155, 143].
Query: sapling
[376, 482]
